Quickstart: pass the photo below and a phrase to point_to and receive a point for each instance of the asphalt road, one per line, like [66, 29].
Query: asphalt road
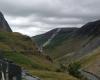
[90, 76]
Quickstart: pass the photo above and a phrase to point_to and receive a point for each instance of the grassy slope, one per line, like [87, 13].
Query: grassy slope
[88, 59]
[86, 43]
[74, 48]
[38, 68]
[59, 38]
[68, 46]
[63, 35]
[91, 62]
[85, 54]
[23, 51]
[40, 40]
[62, 46]
[48, 75]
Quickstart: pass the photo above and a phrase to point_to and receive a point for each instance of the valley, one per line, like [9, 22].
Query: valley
[75, 45]
[58, 54]
[23, 51]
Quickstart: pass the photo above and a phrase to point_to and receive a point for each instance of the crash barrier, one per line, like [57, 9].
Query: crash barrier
[9, 70]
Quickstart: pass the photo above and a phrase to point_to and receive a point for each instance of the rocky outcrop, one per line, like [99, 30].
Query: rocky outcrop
[4, 26]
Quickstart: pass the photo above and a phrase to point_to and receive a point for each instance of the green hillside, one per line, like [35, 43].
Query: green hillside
[42, 38]
[58, 41]
[76, 41]
[63, 34]
[82, 46]
[91, 62]
[23, 51]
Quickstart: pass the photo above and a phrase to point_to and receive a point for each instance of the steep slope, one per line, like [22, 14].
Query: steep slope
[52, 37]
[91, 28]
[4, 26]
[82, 45]
[41, 39]
[17, 47]
[85, 40]
[74, 43]
[23, 51]
[55, 37]
[91, 63]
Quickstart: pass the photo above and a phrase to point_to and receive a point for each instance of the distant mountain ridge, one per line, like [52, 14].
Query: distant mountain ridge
[75, 44]
[90, 28]
[4, 26]
[62, 33]
[89, 31]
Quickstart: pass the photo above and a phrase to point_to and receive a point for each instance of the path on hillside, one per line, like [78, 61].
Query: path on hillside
[89, 76]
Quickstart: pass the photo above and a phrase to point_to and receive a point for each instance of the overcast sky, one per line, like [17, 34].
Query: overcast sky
[34, 17]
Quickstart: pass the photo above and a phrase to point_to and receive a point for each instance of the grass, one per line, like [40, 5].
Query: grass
[48, 75]
[89, 59]
[19, 59]
[22, 50]
[37, 68]
[32, 62]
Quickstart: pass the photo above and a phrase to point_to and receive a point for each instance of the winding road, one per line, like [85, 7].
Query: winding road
[89, 76]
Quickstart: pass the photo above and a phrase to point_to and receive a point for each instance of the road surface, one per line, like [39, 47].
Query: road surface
[89, 76]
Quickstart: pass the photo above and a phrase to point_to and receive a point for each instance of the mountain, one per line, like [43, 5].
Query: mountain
[80, 44]
[54, 37]
[66, 40]
[23, 51]
[91, 28]
[4, 26]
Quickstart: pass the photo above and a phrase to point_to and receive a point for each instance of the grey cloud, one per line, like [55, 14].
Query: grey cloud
[47, 14]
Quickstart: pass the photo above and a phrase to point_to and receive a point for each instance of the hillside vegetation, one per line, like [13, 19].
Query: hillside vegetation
[73, 41]
[77, 45]
[23, 51]
[91, 63]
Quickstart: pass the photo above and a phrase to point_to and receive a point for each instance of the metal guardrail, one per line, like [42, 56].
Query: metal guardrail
[9, 70]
